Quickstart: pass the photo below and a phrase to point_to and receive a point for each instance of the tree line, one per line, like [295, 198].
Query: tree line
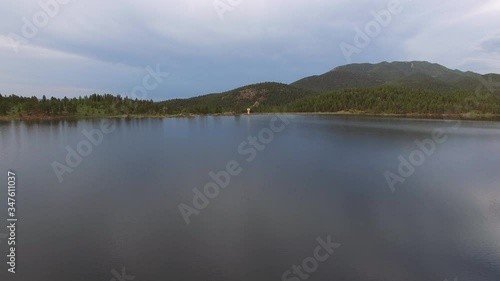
[93, 105]
[400, 100]
[264, 97]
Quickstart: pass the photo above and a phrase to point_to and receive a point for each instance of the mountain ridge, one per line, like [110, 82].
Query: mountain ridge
[267, 96]
[415, 88]
[391, 73]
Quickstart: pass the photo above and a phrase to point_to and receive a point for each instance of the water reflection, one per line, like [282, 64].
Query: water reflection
[323, 175]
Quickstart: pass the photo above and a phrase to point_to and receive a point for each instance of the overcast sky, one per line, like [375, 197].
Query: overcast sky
[206, 46]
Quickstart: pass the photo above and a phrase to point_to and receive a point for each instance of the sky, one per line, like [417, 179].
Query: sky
[164, 49]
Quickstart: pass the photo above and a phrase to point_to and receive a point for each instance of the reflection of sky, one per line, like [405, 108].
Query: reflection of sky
[323, 175]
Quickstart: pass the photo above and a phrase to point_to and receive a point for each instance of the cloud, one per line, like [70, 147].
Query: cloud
[451, 32]
[106, 45]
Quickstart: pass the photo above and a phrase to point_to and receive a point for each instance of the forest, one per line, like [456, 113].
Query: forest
[88, 106]
[401, 100]
[263, 98]
[397, 88]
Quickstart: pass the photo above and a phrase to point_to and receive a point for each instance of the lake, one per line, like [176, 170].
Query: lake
[264, 197]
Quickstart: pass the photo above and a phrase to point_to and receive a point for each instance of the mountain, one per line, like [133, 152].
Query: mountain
[429, 80]
[401, 100]
[423, 81]
[414, 74]
[407, 88]
[336, 80]
[260, 97]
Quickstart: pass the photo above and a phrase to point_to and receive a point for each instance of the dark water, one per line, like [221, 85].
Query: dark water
[320, 176]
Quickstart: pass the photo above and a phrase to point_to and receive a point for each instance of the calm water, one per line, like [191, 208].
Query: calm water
[319, 176]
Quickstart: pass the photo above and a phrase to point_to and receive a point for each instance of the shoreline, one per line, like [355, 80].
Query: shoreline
[466, 116]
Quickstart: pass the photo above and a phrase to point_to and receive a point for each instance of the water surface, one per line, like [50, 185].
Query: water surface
[319, 176]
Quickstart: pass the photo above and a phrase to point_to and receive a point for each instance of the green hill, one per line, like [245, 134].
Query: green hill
[384, 88]
[401, 100]
[337, 79]
[262, 97]
[415, 74]
[423, 81]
